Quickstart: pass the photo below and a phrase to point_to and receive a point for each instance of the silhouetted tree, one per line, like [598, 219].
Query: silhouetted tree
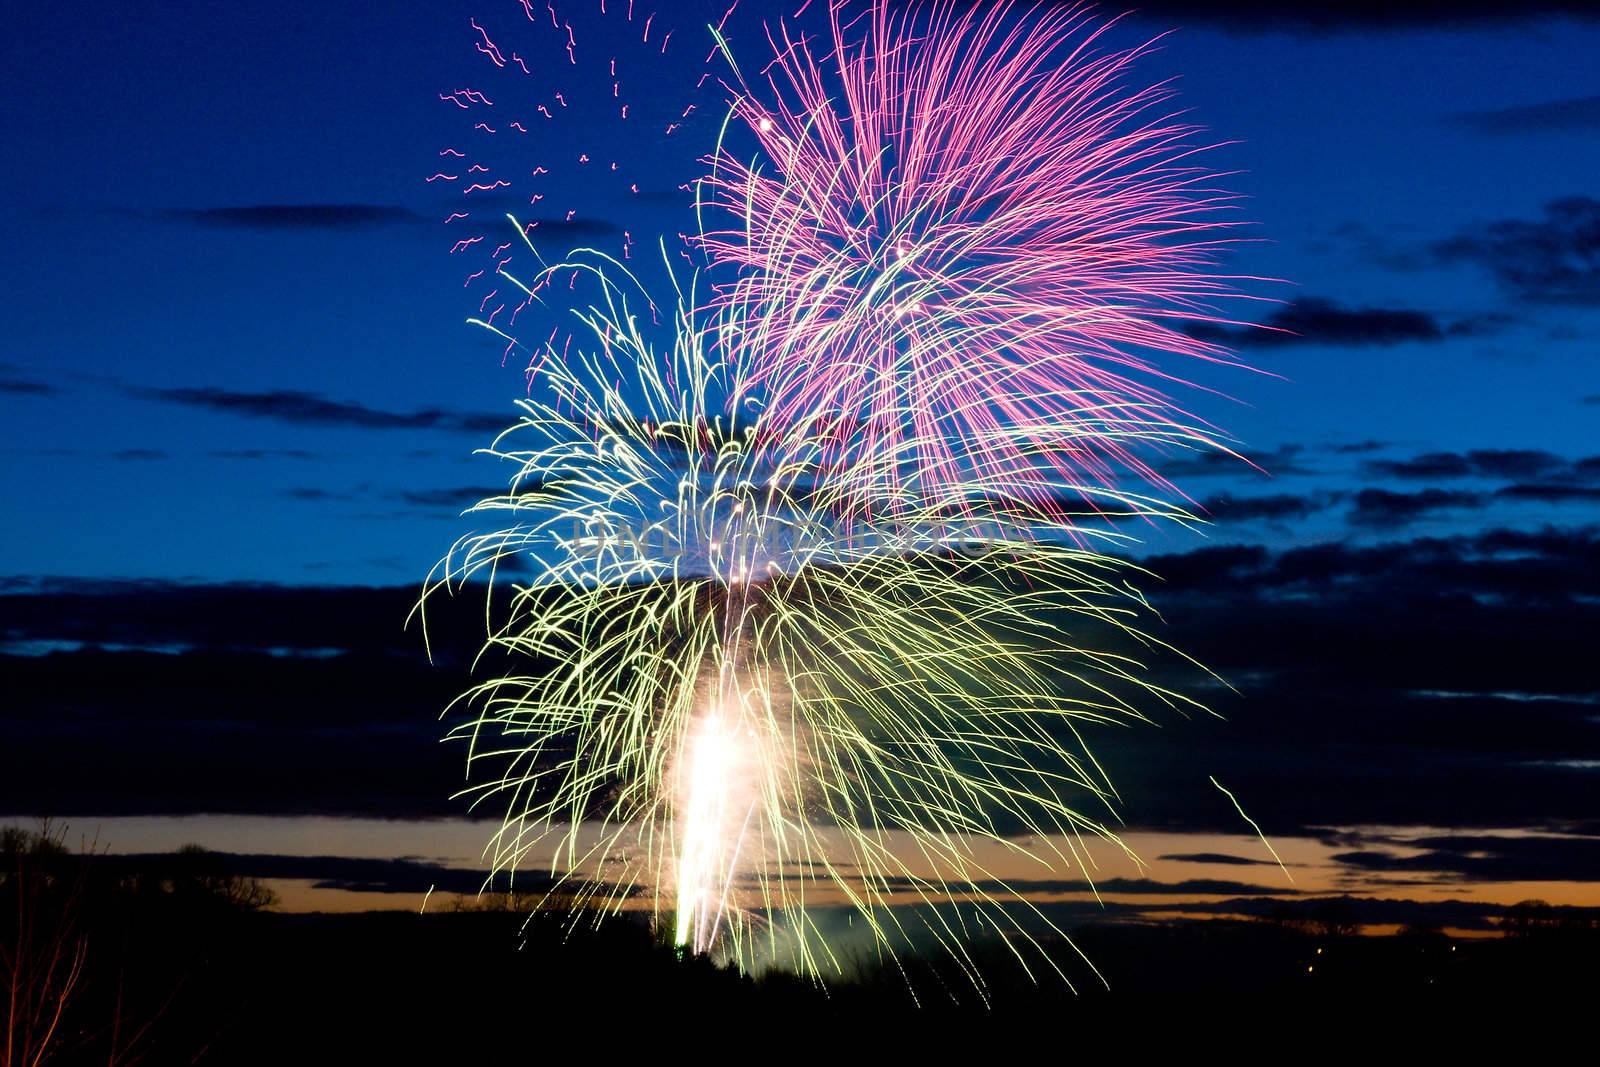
[1332, 918]
[1422, 935]
[1529, 918]
[43, 948]
[104, 959]
[197, 875]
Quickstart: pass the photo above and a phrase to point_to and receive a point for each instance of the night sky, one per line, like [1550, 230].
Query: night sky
[240, 404]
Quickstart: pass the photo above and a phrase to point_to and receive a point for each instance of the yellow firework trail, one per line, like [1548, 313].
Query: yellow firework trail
[728, 692]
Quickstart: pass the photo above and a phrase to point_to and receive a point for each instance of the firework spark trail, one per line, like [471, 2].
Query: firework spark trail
[757, 704]
[1253, 825]
[816, 603]
[560, 48]
[965, 236]
[565, 66]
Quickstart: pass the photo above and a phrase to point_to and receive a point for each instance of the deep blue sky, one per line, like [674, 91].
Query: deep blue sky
[1365, 150]
[234, 352]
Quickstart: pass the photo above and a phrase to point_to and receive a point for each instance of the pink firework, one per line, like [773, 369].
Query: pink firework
[554, 99]
[965, 250]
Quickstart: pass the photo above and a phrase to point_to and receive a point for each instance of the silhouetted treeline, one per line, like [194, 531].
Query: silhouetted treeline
[494, 986]
[103, 963]
[177, 963]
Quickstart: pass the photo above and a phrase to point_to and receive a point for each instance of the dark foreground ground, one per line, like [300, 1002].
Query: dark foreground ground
[180, 964]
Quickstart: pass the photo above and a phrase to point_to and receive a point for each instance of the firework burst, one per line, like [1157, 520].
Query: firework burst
[742, 712]
[806, 597]
[962, 244]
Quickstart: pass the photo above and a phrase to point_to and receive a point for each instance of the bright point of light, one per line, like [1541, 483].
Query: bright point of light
[711, 829]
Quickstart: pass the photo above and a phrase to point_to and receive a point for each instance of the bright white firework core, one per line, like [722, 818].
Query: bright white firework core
[715, 815]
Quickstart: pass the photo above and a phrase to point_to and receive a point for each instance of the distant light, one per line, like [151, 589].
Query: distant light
[764, 125]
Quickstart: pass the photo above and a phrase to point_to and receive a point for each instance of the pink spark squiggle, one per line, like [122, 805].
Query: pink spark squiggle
[486, 46]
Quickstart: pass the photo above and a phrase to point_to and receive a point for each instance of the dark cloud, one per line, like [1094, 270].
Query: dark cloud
[1382, 911]
[310, 494]
[340, 872]
[1512, 565]
[1094, 923]
[1313, 321]
[1382, 508]
[1574, 113]
[452, 499]
[1508, 463]
[1197, 568]
[1034, 887]
[1434, 681]
[1428, 466]
[1551, 494]
[1277, 507]
[357, 874]
[142, 679]
[1441, 681]
[173, 731]
[448, 499]
[1355, 448]
[1488, 858]
[297, 216]
[310, 409]
[1553, 259]
[23, 387]
[258, 616]
[1514, 462]
[1331, 16]
[139, 455]
[1190, 886]
[1216, 857]
[537, 226]
[262, 453]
